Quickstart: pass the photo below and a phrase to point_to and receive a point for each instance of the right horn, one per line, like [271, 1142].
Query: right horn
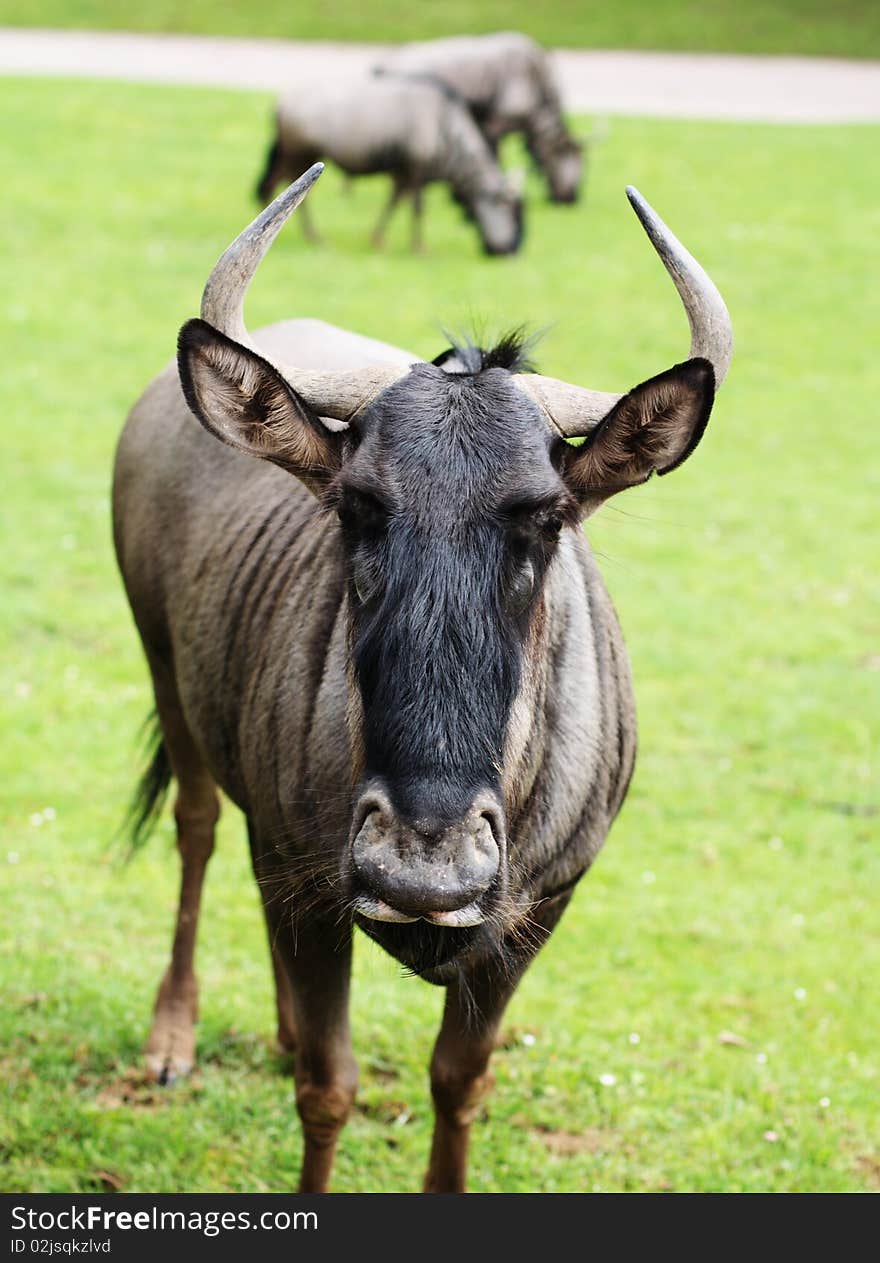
[575, 410]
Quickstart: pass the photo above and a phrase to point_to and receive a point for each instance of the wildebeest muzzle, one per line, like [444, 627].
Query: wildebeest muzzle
[425, 868]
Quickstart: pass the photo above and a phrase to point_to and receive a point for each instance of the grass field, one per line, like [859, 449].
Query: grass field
[847, 28]
[705, 1016]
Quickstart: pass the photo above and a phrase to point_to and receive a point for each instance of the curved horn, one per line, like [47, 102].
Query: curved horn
[224, 293]
[709, 319]
[574, 410]
[331, 394]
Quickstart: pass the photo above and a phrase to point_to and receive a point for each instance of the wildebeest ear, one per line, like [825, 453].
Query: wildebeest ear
[651, 430]
[243, 400]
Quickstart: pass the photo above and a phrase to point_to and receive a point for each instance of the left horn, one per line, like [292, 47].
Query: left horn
[224, 293]
[574, 410]
[331, 394]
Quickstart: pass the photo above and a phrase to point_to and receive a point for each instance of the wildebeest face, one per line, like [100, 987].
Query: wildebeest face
[450, 509]
[498, 214]
[564, 173]
[562, 161]
[451, 488]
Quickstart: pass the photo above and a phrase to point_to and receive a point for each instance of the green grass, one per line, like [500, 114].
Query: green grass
[848, 28]
[736, 892]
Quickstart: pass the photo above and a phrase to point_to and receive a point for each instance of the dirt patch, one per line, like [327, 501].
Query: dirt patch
[730, 1039]
[388, 1112]
[567, 1143]
[132, 1089]
[33, 1000]
[516, 1037]
[868, 1166]
[106, 1181]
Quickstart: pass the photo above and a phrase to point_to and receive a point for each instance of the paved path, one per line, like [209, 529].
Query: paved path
[673, 85]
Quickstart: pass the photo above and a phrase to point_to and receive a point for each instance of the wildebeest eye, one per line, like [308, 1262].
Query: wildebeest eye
[535, 519]
[520, 587]
[361, 513]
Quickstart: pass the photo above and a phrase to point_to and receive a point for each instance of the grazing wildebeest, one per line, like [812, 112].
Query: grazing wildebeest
[387, 641]
[415, 130]
[507, 82]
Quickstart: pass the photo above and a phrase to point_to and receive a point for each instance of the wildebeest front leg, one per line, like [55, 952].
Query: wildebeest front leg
[418, 241]
[283, 993]
[398, 189]
[270, 879]
[310, 232]
[318, 962]
[460, 1072]
[272, 173]
[460, 1064]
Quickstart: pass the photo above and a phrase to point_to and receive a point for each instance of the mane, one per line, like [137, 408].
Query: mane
[513, 351]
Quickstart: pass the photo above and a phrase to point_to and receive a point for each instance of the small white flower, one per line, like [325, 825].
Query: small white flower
[776, 844]
[648, 877]
[528, 1039]
[37, 819]
[12, 857]
[23, 689]
[608, 1080]
[635, 1037]
[771, 1136]
[824, 1102]
[800, 993]
[48, 813]
[761, 1059]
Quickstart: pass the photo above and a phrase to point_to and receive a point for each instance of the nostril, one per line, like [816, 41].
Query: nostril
[492, 821]
[377, 808]
[370, 804]
[494, 817]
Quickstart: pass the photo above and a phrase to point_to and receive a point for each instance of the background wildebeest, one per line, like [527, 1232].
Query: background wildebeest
[389, 644]
[415, 130]
[507, 82]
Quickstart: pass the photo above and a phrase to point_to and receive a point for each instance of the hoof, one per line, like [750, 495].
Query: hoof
[167, 1069]
[170, 1053]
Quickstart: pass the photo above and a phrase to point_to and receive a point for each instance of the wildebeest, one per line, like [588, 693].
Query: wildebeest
[417, 131]
[387, 641]
[507, 82]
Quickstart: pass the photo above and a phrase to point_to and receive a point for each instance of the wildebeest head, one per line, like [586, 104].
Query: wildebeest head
[498, 213]
[561, 158]
[451, 482]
